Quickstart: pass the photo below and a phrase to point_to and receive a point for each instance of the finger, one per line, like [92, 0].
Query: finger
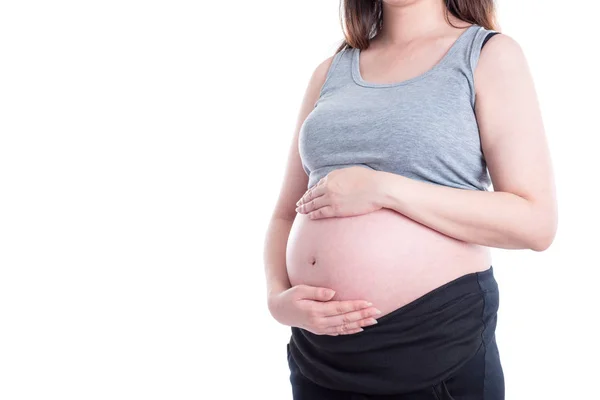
[317, 191]
[347, 332]
[312, 205]
[341, 329]
[352, 316]
[337, 307]
[306, 194]
[323, 212]
[312, 193]
[352, 331]
[314, 293]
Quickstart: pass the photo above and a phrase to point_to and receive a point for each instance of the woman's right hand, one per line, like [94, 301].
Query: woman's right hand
[311, 308]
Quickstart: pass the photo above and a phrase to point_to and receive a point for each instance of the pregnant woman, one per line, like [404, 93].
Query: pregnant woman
[378, 251]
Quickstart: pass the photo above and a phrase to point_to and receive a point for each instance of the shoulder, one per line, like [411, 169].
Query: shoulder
[319, 76]
[317, 81]
[502, 54]
[320, 72]
[322, 68]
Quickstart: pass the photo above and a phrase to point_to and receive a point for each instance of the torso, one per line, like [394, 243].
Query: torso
[385, 257]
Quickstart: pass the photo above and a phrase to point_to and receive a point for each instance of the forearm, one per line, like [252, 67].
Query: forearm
[275, 255]
[494, 219]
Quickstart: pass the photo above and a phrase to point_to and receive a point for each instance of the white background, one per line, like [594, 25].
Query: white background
[142, 147]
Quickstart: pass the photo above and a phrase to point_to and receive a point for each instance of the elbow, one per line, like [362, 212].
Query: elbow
[542, 242]
[543, 234]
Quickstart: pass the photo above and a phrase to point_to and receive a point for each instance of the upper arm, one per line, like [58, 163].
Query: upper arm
[511, 129]
[295, 180]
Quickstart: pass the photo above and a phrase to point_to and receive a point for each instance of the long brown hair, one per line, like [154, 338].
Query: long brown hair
[364, 18]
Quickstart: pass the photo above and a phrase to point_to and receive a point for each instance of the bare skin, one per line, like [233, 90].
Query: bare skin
[520, 213]
[305, 306]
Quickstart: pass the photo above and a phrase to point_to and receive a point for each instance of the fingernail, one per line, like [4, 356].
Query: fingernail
[369, 304]
[373, 322]
[377, 312]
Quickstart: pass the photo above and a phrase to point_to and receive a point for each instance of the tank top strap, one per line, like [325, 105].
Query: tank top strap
[462, 57]
[476, 45]
[465, 55]
[339, 73]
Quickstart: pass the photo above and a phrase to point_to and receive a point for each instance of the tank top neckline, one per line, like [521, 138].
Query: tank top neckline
[358, 79]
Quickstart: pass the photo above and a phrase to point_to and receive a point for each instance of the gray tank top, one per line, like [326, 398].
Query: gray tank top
[423, 128]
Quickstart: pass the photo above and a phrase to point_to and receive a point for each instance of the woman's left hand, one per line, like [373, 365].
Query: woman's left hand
[343, 192]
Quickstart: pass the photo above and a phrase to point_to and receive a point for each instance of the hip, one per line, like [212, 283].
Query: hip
[481, 378]
[417, 347]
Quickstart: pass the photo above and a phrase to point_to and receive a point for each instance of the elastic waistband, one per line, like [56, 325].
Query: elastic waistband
[469, 284]
[411, 348]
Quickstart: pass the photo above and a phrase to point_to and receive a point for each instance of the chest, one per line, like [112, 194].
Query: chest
[417, 120]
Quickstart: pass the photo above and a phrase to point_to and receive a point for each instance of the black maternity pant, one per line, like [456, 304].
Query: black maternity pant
[441, 346]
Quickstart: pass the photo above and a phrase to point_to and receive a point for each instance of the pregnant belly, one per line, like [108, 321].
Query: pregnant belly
[383, 257]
